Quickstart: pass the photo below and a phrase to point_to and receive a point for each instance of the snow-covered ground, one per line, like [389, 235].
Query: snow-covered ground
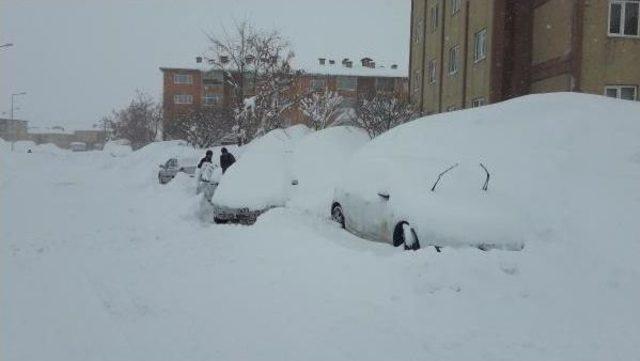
[100, 262]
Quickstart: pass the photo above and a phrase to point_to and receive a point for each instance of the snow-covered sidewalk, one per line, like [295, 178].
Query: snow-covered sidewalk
[99, 262]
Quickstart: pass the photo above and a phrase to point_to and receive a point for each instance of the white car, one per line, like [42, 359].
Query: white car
[174, 166]
[260, 180]
[293, 167]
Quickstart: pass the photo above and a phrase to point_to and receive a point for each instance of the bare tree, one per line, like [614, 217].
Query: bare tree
[203, 127]
[321, 108]
[257, 66]
[382, 113]
[139, 122]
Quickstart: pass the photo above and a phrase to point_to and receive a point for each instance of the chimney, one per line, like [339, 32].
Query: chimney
[199, 59]
[322, 61]
[366, 62]
[394, 66]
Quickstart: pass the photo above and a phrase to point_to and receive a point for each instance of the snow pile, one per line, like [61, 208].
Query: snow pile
[262, 177]
[318, 161]
[95, 265]
[23, 146]
[117, 148]
[5, 146]
[563, 169]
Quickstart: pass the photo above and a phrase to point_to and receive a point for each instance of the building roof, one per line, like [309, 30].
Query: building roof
[381, 69]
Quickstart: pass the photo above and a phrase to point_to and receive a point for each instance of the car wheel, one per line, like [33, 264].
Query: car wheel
[337, 214]
[405, 235]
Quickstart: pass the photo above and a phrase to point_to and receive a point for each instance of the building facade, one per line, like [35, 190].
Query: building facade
[467, 53]
[12, 130]
[188, 89]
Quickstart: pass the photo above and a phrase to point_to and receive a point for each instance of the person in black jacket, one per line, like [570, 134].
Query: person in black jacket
[226, 160]
[207, 159]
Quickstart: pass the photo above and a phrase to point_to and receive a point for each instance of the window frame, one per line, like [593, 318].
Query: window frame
[453, 67]
[456, 6]
[351, 78]
[187, 96]
[435, 17]
[433, 71]
[318, 80]
[218, 97]
[478, 102]
[189, 78]
[476, 38]
[623, 5]
[618, 89]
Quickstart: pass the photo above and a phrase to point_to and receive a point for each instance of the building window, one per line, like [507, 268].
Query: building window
[453, 59]
[182, 79]
[623, 18]
[455, 6]
[478, 102]
[480, 45]
[435, 17]
[183, 99]
[347, 83]
[212, 99]
[433, 71]
[627, 92]
[385, 84]
[318, 84]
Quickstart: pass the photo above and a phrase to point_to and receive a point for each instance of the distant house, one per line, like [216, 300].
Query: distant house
[12, 130]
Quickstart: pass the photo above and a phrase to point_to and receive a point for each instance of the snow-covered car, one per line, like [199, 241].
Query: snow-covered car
[260, 180]
[318, 161]
[174, 166]
[410, 188]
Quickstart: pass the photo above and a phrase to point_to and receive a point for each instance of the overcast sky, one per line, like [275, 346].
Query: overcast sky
[79, 59]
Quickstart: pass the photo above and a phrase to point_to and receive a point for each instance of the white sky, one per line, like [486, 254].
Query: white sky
[79, 59]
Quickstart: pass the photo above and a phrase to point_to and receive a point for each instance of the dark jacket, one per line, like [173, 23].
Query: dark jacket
[226, 161]
[203, 161]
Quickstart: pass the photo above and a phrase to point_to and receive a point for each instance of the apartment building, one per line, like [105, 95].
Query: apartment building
[467, 53]
[187, 89]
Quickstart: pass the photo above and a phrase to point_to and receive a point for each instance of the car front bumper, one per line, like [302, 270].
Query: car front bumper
[243, 216]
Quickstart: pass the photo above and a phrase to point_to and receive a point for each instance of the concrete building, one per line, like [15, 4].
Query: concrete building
[467, 53]
[12, 130]
[187, 89]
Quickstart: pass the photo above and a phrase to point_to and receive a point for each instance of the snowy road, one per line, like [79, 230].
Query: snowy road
[99, 262]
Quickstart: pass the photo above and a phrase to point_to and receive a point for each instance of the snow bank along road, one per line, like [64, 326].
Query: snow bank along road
[99, 262]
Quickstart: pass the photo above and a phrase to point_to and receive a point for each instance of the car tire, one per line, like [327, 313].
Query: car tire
[337, 215]
[404, 232]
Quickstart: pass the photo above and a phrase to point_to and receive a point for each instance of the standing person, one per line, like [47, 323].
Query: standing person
[207, 159]
[226, 160]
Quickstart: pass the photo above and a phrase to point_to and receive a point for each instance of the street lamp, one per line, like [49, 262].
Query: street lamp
[6, 45]
[13, 96]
